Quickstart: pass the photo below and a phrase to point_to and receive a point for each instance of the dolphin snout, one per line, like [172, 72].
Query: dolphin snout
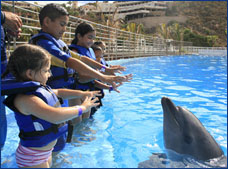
[164, 99]
[167, 104]
[170, 111]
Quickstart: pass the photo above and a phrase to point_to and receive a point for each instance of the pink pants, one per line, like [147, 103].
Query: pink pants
[26, 157]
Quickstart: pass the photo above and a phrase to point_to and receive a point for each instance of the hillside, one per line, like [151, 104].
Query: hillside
[204, 17]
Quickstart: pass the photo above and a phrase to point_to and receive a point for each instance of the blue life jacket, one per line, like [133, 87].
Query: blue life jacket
[10, 86]
[61, 76]
[34, 132]
[83, 51]
[90, 85]
[103, 62]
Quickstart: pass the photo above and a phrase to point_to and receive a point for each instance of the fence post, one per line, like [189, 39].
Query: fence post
[116, 42]
[14, 38]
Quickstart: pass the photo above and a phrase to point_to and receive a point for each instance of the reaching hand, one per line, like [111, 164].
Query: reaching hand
[117, 79]
[92, 94]
[121, 68]
[115, 86]
[115, 69]
[13, 23]
[128, 77]
[89, 102]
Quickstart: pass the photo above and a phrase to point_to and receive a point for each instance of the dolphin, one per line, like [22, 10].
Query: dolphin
[185, 134]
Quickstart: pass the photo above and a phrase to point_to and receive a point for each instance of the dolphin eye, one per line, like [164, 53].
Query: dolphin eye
[188, 139]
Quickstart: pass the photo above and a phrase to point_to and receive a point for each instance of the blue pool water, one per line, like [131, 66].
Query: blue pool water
[129, 127]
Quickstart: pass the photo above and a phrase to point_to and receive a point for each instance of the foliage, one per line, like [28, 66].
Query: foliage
[163, 31]
[206, 19]
[199, 40]
[133, 27]
[179, 33]
[71, 10]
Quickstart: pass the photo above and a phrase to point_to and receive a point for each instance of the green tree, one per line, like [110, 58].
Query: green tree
[212, 40]
[133, 27]
[199, 40]
[163, 31]
[176, 32]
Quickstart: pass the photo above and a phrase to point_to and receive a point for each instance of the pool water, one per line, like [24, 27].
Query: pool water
[129, 127]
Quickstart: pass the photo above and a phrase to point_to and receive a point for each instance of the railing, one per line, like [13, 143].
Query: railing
[119, 44]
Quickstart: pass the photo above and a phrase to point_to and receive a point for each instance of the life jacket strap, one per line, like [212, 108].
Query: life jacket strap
[70, 131]
[53, 128]
[66, 76]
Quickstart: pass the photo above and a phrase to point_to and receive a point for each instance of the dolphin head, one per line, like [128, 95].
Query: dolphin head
[185, 134]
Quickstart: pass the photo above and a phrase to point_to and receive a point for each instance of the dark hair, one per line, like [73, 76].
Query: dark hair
[96, 48]
[52, 11]
[24, 57]
[82, 29]
[99, 43]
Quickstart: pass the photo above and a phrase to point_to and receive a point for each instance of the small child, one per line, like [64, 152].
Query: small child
[103, 47]
[98, 52]
[102, 60]
[39, 115]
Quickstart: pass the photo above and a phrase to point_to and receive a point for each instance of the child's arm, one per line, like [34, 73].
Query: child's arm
[84, 78]
[97, 65]
[33, 105]
[73, 94]
[83, 69]
[101, 85]
[78, 65]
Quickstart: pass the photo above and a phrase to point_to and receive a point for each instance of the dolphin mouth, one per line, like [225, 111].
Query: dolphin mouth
[170, 110]
[168, 105]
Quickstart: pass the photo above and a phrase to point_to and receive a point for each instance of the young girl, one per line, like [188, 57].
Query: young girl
[40, 118]
[84, 37]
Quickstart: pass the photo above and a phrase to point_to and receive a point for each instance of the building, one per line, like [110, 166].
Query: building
[132, 9]
[75, 4]
[87, 8]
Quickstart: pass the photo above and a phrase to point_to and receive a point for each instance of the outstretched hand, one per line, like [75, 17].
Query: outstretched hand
[13, 23]
[115, 86]
[93, 94]
[118, 79]
[128, 77]
[115, 69]
[90, 102]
